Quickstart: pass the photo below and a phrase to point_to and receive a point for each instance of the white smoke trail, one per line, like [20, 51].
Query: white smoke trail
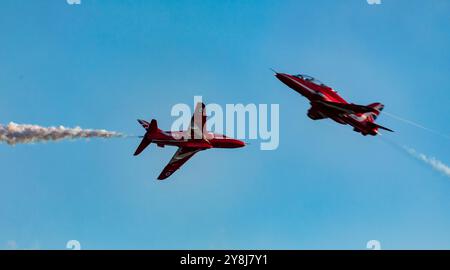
[416, 124]
[22, 134]
[433, 162]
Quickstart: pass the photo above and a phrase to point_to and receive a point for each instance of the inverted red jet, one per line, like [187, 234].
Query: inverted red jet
[189, 142]
[326, 103]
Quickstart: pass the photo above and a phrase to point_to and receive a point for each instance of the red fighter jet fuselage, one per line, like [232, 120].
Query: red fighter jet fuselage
[327, 103]
[189, 142]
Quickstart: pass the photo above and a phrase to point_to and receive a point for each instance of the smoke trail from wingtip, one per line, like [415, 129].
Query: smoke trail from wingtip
[416, 124]
[24, 134]
[433, 162]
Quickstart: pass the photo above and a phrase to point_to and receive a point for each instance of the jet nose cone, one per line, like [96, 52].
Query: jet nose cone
[237, 144]
[282, 77]
[241, 144]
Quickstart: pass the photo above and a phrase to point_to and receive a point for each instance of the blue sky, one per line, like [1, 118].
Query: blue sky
[102, 64]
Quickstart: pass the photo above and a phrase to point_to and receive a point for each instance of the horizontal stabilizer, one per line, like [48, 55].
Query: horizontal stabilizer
[381, 127]
[144, 123]
[152, 126]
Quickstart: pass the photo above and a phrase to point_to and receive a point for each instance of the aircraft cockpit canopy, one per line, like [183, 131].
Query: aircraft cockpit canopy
[310, 79]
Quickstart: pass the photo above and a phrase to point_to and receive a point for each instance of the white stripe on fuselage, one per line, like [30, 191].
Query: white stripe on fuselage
[361, 118]
[304, 86]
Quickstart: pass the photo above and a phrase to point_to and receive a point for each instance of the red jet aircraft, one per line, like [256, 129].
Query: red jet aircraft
[189, 142]
[326, 103]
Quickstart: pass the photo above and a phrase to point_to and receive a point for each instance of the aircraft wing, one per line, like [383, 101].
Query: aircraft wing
[198, 121]
[344, 108]
[181, 156]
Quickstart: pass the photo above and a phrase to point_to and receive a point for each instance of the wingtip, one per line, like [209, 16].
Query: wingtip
[162, 177]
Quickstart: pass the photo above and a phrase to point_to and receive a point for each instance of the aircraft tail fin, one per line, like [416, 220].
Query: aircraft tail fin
[378, 108]
[151, 128]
